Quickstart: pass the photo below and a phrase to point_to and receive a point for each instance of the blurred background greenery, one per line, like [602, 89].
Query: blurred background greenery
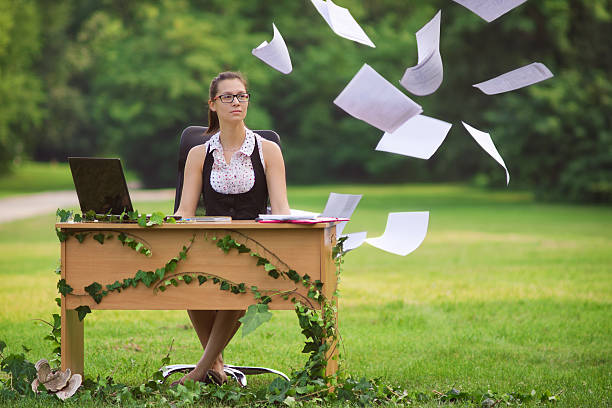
[100, 78]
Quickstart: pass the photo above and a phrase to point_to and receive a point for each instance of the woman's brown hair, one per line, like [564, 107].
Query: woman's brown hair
[213, 119]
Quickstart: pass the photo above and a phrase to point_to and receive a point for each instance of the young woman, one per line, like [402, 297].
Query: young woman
[237, 171]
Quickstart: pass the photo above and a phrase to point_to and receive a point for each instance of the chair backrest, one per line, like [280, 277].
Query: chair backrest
[194, 136]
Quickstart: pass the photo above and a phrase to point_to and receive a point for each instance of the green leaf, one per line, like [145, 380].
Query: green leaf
[160, 272]
[61, 235]
[77, 218]
[81, 236]
[225, 285]
[187, 278]
[202, 279]
[255, 316]
[269, 267]
[99, 237]
[64, 215]
[157, 218]
[293, 275]
[63, 287]
[82, 311]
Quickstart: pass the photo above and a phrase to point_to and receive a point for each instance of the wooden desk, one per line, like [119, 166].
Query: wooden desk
[305, 248]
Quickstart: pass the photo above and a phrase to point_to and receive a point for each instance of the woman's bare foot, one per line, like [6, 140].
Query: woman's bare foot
[192, 375]
[218, 368]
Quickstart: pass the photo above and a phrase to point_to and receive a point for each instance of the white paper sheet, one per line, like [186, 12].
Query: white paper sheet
[426, 77]
[404, 233]
[354, 240]
[489, 10]
[342, 22]
[418, 137]
[484, 140]
[341, 206]
[373, 99]
[275, 53]
[516, 79]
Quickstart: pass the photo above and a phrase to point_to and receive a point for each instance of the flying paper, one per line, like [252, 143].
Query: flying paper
[489, 10]
[342, 22]
[373, 99]
[275, 53]
[341, 206]
[518, 78]
[425, 77]
[404, 233]
[418, 137]
[484, 140]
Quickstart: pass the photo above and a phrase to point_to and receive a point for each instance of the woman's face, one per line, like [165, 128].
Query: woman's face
[229, 111]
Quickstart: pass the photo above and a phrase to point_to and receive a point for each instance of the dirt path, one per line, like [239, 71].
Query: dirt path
[28, 205]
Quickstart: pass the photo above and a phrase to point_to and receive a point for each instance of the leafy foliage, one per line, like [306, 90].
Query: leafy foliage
[128, 77]
[255, 316]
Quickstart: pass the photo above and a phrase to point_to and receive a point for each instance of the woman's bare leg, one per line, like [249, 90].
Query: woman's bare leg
[215, 330]
[202, 321]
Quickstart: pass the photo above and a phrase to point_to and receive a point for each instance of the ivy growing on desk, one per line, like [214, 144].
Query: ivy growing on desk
[318, 326]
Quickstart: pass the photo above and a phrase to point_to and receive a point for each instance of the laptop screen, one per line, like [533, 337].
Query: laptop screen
[100, 185]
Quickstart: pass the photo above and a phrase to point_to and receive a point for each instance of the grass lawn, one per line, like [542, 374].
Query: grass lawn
[34, 177]
[505, 294]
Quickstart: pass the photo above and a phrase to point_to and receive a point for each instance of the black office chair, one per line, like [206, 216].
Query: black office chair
[194, 136]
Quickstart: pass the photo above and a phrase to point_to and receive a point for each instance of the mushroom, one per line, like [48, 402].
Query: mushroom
[57, 380]
[71, 388]
[43, 370]
[35, 385]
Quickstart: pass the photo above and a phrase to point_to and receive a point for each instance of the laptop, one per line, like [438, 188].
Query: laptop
[100, 185]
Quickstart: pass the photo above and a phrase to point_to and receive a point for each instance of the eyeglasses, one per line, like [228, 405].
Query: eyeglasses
[229, 98]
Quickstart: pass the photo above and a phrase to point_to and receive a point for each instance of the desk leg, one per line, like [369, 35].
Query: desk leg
[72, 341]
[332, 356]
[330, 280]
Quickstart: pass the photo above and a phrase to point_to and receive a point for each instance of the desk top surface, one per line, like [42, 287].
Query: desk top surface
[236, 224]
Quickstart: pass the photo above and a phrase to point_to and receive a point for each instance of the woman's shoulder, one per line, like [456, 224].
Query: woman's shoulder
[197, 153]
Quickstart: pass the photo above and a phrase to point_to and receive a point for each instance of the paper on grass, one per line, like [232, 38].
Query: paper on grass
[275, 53]
[484, 140]
[373, 99]
[342, 22]
[404, 232]
[341, 206]
[418, 137]
[516, 79]
[354, 240]
[489, 10]
[426, 77]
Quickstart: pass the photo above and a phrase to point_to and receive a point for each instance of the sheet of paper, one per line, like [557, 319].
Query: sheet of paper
[426, 77]
[286, 217]
[484, 140]
[341, 206]
[489, 10]
[342, 22]
[304, 213]
[516, 79]
[373, 99]
[404, 233]
[275, 53]
[354, 240]
[418, 137]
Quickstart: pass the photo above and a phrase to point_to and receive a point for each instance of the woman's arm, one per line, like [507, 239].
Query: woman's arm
[192, 182]
[275, 176]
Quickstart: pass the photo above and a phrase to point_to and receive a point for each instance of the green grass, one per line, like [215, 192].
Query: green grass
[34, 177]
[505, 294]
